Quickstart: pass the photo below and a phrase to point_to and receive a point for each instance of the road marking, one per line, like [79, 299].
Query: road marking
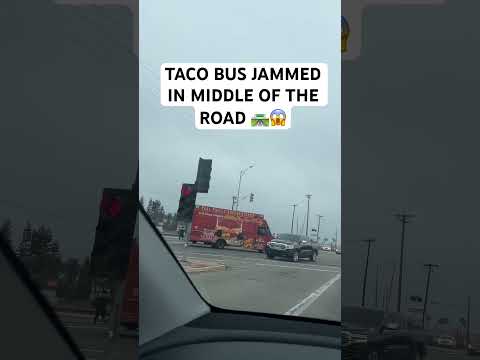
[92, 350]
[84, 327]
[251, 259]
[299, 308]
[298, 267]
[75, 315]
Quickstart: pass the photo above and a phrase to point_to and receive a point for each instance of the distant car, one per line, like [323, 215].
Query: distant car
[290, 246]
[338, 251]
[326, 248]
[446, 341]
[473, 348]
[362, 326]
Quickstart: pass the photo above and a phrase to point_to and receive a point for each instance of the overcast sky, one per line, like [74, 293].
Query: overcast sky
[288, 164]
[410, 140]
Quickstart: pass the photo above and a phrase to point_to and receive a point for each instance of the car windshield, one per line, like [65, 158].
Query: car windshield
[290, 238]
[228, 189]
[362, 317]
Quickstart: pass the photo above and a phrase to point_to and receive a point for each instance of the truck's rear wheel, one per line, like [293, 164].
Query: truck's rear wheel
[220, 244]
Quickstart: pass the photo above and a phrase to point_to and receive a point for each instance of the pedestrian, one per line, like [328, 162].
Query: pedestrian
[181, 234]
[100, 307]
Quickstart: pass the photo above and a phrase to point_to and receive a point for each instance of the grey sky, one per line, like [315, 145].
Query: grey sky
[410, 141]
[288, 165]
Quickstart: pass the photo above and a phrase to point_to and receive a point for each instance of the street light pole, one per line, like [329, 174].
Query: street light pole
[369, 241]
[293, 217]
[427, 289]
[404, 218]
[308, 212]
[242, 172]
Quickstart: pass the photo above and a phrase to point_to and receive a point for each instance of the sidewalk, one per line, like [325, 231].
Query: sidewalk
[196, 266]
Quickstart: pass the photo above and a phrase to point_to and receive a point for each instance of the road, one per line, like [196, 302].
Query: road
[252, 282]
[435, 353]
[92, 339]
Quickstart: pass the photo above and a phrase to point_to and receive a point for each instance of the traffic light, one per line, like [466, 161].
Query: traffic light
[251, 197]
[186, 204]
[114, 232]
[203, 175]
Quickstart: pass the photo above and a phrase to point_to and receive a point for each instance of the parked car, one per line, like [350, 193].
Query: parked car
[338, 251]
[292, 247]
[446, 341]
[473, 349]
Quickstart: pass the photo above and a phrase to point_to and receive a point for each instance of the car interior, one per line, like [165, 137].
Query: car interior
[177, 323]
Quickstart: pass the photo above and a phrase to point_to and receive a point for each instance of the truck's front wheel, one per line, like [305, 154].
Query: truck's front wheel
[220, 244]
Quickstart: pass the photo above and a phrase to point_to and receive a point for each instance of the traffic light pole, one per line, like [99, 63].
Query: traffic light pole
[427, 289]
[308, 213]
[318, 226]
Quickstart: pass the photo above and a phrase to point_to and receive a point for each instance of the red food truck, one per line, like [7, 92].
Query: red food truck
[220, 227]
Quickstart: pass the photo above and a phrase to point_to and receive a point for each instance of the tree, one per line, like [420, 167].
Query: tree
[142, 201]
[41, 241]
[24, 249]
[6, 231]
[156, 211]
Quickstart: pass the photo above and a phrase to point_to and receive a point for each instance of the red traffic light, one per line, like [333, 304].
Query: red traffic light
[111, 206]
[186, 190]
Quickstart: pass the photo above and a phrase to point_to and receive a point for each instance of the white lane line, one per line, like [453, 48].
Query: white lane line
[299, 308]
[83, 327]
[92, 350]
[299, 267]
[253, 259]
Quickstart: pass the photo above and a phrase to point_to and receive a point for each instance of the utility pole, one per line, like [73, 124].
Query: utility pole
[427, 289]
[293, 217]
[308, 212]
[297, 226]
[318, 226]
[233, 201]
[468, 320]
[389, 297]
[404, 218]
[369, 241]
[376, 287]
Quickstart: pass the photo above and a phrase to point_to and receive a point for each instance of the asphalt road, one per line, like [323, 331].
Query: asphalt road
[92, 339]
[435, 353]
[254, 283]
